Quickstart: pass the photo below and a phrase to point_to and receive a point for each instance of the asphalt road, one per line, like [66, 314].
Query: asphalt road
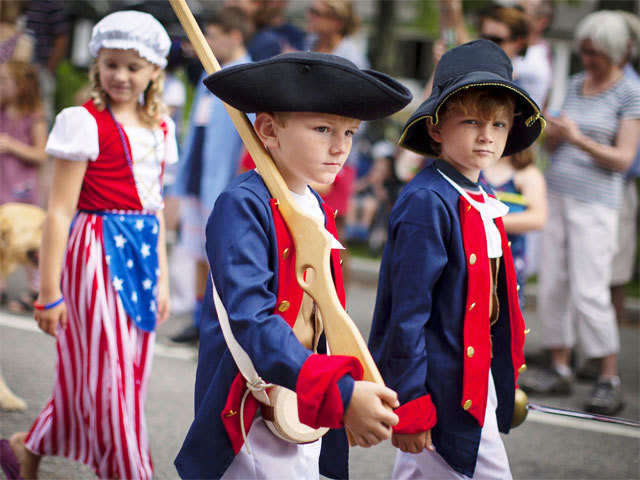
[545, 446]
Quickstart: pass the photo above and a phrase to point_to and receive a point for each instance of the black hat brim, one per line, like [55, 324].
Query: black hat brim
[528, 123]
[308, 82]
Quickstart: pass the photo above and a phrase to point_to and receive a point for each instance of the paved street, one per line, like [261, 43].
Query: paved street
[545, 446]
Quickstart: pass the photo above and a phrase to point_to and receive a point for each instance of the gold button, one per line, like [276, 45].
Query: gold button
[509, 243]
[472, 306]
[467, 405]
[230, 413]
[470, 351]
[341, 261]
[285, 253]
[527, 331]
[522, 368]
[468, 207]
[335, 214]
[517, 287]
[472, 259]
[284, 306]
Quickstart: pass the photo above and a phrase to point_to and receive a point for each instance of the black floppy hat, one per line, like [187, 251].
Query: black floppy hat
[480, 63]
[309, 82]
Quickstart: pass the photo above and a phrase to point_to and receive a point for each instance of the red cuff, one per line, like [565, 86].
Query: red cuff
[417, 415]
[319, 400]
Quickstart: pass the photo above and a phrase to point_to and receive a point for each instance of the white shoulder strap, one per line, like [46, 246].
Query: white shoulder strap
[244, 363]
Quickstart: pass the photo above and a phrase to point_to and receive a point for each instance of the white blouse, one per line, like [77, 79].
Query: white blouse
[75, 137]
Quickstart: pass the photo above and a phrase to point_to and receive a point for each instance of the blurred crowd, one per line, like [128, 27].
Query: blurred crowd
[573, 197]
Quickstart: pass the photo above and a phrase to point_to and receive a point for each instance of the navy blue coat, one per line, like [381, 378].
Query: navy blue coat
[417, 333]
[242, 252]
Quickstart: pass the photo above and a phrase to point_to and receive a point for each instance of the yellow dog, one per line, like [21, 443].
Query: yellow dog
[20, 236]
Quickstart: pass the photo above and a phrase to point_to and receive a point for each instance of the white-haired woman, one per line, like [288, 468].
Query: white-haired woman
[593, 141]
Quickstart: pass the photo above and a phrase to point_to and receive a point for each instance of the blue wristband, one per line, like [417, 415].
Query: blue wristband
[48, 306]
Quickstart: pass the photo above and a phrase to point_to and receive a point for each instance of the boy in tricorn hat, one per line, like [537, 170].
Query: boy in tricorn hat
[447, 332]
[308, 106]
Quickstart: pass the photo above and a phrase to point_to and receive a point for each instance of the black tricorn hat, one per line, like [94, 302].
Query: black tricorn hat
[309, 82]
[480, 63]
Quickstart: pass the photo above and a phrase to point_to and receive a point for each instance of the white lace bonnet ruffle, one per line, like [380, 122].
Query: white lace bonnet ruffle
[132, 30]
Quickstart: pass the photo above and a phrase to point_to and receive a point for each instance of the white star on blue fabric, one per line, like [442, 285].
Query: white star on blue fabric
[146, 284]
[134, 297]
[108, 259]
[139, 225]
[152, 306]
[117, 283]
[144, 250]
[155, 228]
[120, 241]
[129, 263]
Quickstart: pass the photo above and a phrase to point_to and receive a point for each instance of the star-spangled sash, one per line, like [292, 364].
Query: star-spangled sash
[131, 249]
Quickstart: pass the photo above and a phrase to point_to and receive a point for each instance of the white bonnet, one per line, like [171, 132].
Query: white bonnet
[132, 30]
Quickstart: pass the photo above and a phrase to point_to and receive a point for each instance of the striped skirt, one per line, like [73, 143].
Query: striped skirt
[96, 412]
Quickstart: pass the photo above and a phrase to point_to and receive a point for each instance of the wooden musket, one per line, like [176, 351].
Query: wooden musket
[311, 239]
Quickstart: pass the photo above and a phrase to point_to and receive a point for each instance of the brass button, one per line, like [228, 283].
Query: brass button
[335, 214]
[517, 287]
[467, 405]
[509, 243]
[472, 259]
[472, 306]
[230, 413]
[470, 351]
[285, 253]
[341, 261]
[468, 207]
[522, 368]
[284, 306]
[527, 331]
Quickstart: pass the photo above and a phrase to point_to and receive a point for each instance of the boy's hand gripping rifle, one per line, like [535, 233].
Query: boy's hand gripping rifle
[311, 239]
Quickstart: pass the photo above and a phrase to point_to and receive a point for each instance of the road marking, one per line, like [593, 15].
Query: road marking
[591, 425]
[28, 324]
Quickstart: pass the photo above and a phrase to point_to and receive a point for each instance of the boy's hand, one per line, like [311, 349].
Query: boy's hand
[413, 442]
[368, 416]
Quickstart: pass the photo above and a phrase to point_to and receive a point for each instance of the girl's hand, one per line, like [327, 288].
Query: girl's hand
[413, 442]
[48, 320]
[164, 304]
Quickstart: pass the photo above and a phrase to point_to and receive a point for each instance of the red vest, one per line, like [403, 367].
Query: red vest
[477, 335]
[108, 183]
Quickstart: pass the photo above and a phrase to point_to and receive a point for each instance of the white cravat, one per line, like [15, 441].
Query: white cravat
[489, 209]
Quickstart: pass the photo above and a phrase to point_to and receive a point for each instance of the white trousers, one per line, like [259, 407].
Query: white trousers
[273, 458]
[578, 244]
[624, 259]
[492, 463]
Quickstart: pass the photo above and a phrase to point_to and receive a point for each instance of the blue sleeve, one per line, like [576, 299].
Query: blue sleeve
[416, 258]
[242, 259]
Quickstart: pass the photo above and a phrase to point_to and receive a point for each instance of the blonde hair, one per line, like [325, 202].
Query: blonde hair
[486, 102]
[150, 111]
[25, 76]
[344, 11]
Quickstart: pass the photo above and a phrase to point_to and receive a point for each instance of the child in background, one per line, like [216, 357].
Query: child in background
[448, 332]
[519, 184]
[103, 260]
[23, 134]
[308, 129]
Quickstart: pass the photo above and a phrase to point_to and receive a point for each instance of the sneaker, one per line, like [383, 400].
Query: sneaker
[189, 334]
[606, 398]
[547, 382]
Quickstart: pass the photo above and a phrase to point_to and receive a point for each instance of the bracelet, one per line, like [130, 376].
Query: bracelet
[48, 306]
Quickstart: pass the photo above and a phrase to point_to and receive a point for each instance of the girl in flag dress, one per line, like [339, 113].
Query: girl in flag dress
[103, 258]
